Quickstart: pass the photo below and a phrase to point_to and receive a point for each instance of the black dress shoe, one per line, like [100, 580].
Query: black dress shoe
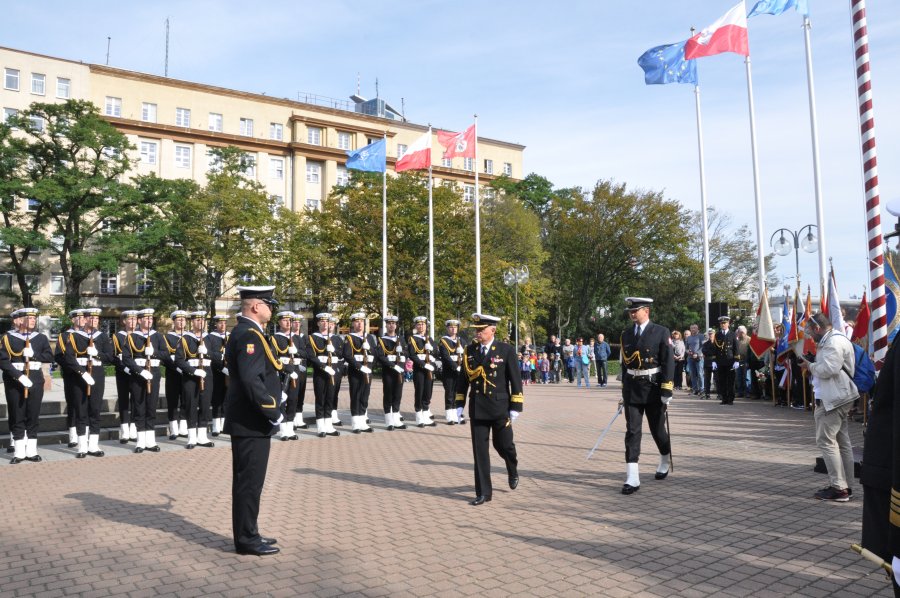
[480, 500]
[321, 434]
[451, 423]
[268, 541]
[627, 489]
[15, 460]
[335, 433]
[400, 427]
[81, 455]
[173, 436]
[337, 423]
[70, 445]
[214, 434]
[284, 439]
[35, 459]
[513, 482]
[369, 430]
[302, 426]
[206, 444]
[293, 437]
[154, 449]
[96, 453]
[123, 441]
[432, 425]
[258, 550]
[139, 450]
[356, 431]
[661, 475]
[189, 446]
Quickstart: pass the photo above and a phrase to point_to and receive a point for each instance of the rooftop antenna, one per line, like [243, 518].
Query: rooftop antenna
[376, 88]
[403, 108]
[167, 48]
[108, 40]
[357, 82]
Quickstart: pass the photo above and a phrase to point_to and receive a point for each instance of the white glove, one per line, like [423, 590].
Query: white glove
[202, 350]
[28, 352]
[365, 346]
[371, 358]
[92, 351]
[459, 349]
[736, 365]
[513, 415]
[365, 370]
[459, 412]
[277, 421]
[715, 366]
[200, 373]
[292, 350]
[294, 376]
[283, 396]
[148, 351]
[329, 370]
[428, 347]
[665, 400]
[429, 367]
[25, 381]
[458, 368]
[225, 371]
[88, 378]
[895, 565]
[398, 369]
[329, 348]
[146, 375]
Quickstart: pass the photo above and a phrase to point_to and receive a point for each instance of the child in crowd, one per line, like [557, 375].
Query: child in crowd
[533, 361]
[525, 365]
[544, 366]
[556, 368]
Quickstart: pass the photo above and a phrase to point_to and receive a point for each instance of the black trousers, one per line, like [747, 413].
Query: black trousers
[392, 384]
[173, 395]
[71, 410]
[24, 413]
[198, 401]
[335, 390]
[145, 402]
[301, 389]
[725, 382]
[634, 421]
[707, 379]
[323, 390]
[87, 407]
[360, 386]
[449, 382]
[249, 459]
[423, 381]
[123, 396]
[501, 433]
[220, 386]
[601, 371]
[292, 389]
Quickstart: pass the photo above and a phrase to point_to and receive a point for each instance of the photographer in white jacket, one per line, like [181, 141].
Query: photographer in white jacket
[832, 381]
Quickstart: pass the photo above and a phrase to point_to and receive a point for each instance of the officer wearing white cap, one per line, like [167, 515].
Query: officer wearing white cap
[648, 370]
[253, 412]
[86, 352]
[216, 341]
[175, 400]
[391, 355]
[341, 368]
[325, 363]
[127, 427]
[301, 343]
[192, 357]
[141, 355]
[23, 353]
[358, 355]
[451, 349]
[286, 352]
[422, 353]
[491, 380]
[16, 317]
[76, 317]
[726, 360]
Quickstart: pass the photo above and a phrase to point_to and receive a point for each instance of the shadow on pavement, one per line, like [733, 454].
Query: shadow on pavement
[454, 492]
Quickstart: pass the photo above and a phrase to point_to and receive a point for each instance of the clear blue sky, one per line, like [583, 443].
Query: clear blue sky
[560, 78]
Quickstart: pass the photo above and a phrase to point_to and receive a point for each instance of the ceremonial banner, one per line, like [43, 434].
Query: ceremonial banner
[728, 34]
[458, 144]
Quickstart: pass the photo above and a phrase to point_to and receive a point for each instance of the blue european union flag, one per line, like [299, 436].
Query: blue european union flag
[371, 158]
[776, 7]
[666, 64]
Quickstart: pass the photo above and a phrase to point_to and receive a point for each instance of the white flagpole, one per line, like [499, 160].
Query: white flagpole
[430, 241]
[707, 287]
[477, 229]
[384, 292]
[761, 262]
[814, 127]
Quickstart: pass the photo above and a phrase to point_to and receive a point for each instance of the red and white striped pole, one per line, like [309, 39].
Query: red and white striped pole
[870, 177]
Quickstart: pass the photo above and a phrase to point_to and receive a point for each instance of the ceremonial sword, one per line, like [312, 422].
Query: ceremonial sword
[608, 426]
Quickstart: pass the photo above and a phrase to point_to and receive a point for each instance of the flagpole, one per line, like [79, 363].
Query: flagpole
[430, 242]
[477, 229]
[384, 239]
[707, 287]
[757, 193]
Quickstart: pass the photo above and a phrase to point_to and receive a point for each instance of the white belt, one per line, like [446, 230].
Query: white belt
[370, 358]
[141, 361]
[453, 358]
[32, 365]
[194, 363]
[402, 359]
[285, 360]
[154, 363]
[323, 358]
[392, 358]
[205, 363]
[649, 372]
[358, 357]
[81, 360]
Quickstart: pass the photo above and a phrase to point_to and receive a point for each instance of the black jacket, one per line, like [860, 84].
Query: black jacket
[252, 404]
[651, 350]
[493, 382]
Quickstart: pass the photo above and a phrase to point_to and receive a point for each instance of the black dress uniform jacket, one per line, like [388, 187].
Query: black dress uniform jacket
[492, 382]
[726, 345]
[450, 358]
[252, 404]
[651, 350]
[11, 353]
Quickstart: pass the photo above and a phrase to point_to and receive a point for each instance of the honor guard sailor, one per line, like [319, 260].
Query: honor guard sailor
[299, 359]
[253, 412]
[338, 340]
[451, 349]
[77, 317]
[491, 380]
[127, 427]
[358, 355]
[192, 357]
[286, 352]
[141, 355]
[391, 355]
[324, 360]
[648, 369]
[23, 353]
[216, 342]
[422, 353]
[175, 403]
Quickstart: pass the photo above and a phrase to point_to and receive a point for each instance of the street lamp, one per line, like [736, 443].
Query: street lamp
[514, 277]
[806, 241]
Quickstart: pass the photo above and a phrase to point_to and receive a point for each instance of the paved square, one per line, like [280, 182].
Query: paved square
[385, 514]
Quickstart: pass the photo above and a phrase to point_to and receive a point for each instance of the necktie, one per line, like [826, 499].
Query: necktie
[637, 332]
[484, 350]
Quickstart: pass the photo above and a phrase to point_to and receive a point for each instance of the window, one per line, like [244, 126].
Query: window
[215, 122]
[148, 152]
[247, 127]
[38, 84]
[56, 242]
[63, 88]
[182, 117]
[343, 175]
[148, 112]
[113, 106]
[37, 123]
[109, 283]
[33, 282]
[401, 150]
[314, 135]
[9, 112]
[57, 284]
[276, 168]
[143, 281]
[343, 140]
[447, 162]
[469, 192]
[12, 79]
[277, 203]
[488, 167]
[214, 161]
[250, 169]
[6, 282]
[33, 205]
[182, 156]
[507, 169]
[276, 131]
[313, 172]
[468, 163]
[312, 204]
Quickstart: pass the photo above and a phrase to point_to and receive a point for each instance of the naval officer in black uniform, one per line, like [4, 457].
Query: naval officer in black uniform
[252, 411]
[648, 369]
[725, 345]
[491, 378]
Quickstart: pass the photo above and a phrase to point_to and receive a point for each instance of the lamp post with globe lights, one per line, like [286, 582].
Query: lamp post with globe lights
[514, 277]
[807, 241]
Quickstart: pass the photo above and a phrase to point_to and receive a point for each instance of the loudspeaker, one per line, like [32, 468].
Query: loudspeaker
[716, 309]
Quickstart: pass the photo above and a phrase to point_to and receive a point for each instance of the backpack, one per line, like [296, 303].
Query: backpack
[864, 373]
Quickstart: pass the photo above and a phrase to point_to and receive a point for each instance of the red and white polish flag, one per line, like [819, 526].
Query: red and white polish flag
[417, 156]
[728, 34]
